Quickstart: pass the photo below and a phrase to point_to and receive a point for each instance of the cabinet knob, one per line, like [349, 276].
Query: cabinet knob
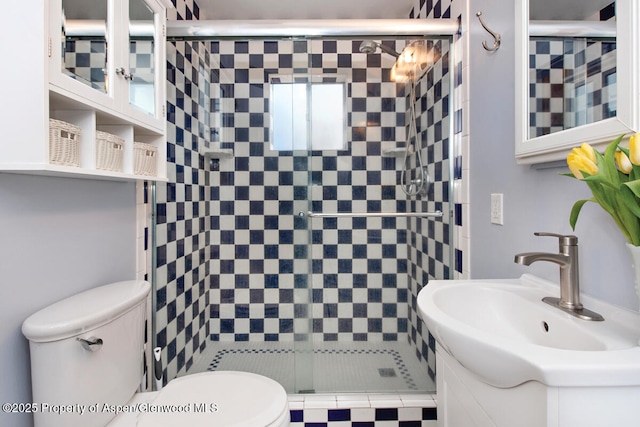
[122, 72]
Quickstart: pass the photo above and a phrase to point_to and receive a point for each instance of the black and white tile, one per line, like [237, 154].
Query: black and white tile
[182, 207]
[362, 268]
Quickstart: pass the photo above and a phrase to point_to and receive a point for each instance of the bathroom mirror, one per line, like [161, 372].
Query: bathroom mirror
[84, 41]
[576, 75]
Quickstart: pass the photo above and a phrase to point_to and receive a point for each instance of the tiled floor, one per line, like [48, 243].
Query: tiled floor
[368, 384]
[386, 370]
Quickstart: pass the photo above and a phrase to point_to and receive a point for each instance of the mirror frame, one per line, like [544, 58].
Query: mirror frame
[556, 146]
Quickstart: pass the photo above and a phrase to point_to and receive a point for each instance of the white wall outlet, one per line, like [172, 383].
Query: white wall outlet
[496, 209]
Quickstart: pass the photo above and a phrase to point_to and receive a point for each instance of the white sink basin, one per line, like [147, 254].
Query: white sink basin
[501, 331]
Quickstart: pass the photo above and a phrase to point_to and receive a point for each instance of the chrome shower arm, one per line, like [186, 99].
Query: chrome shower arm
[388, 50]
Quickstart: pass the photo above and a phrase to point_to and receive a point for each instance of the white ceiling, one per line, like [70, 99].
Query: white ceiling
[304, 9]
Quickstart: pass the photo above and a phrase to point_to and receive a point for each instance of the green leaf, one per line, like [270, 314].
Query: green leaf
[614, 144]
[603, 178]
[575, 211]
[630, 192]
[610, 169]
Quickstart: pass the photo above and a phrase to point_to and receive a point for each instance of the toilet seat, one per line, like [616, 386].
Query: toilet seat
[222, 398]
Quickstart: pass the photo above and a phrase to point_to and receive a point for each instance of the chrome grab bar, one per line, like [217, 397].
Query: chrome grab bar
[436, 214]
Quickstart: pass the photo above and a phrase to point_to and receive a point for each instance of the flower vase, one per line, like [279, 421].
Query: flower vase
[635, 263]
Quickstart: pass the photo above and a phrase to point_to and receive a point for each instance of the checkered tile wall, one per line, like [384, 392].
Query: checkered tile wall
[358, 288]
[182, 204]
[366, 272]
[572, 82]
[430, 246]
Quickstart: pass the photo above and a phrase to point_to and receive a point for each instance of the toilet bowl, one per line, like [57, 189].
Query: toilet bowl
[87, 360]
[224, 398]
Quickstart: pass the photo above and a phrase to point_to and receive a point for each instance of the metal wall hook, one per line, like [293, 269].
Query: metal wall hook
[496, 36]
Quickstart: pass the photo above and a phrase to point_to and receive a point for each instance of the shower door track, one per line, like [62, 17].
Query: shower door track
[309, 28]
[436, 214]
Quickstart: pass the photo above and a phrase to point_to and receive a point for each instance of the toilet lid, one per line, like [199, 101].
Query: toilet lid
[223, 398]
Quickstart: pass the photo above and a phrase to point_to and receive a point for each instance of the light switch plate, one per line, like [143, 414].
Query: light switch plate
[496, 209]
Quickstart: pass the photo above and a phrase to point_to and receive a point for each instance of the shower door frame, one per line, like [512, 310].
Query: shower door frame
[320, 29]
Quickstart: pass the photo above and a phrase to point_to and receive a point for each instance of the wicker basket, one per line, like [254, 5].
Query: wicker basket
[64, 143]
[145, 158]
[109, 151]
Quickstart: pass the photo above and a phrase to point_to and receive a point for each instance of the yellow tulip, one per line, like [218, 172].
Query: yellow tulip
[587, 151]
[623, 162]
[582, 159]
[634, 149]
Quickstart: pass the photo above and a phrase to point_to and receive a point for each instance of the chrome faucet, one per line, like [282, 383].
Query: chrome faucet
[567, 259]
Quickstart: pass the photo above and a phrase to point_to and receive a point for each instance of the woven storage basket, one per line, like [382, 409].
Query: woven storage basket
[109, 151]
[64, 143]
[145, 158]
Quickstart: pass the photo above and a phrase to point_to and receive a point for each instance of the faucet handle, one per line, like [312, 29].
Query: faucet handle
[564, 240]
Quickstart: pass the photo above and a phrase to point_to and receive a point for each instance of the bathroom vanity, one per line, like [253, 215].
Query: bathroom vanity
[505, 358]
[465, 400]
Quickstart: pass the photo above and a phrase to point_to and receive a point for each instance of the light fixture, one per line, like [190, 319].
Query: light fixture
[414, 59]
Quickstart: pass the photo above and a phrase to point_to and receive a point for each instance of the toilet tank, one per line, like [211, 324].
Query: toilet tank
[76, 383]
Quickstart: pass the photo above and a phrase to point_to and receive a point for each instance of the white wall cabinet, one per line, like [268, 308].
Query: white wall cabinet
[99, 65]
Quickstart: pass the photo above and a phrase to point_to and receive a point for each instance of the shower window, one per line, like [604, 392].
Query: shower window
[294, 99]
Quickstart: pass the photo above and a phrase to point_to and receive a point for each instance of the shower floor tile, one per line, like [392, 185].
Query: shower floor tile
[334, 367]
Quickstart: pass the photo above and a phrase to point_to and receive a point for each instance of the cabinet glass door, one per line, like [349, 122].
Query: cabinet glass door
[141, 76]
[85, 42]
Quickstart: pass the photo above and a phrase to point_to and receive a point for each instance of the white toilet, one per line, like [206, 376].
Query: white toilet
[87, 364]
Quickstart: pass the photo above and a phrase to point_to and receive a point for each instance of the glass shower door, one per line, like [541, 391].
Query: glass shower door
[297, 297]
[366, 271]
[288, 137]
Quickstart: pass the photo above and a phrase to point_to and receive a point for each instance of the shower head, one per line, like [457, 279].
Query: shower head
[369, 46]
